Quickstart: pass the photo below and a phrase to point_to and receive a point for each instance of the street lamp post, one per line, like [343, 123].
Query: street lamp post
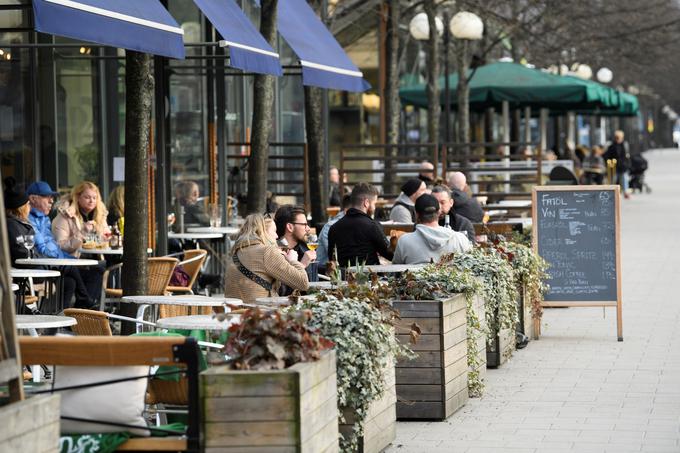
[604, 75]
[466, 27]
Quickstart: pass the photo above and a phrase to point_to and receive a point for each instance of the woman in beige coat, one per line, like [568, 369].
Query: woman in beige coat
[82, 214]
[258, 267]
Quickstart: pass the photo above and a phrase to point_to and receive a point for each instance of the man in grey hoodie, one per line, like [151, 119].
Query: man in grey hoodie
[430, 241]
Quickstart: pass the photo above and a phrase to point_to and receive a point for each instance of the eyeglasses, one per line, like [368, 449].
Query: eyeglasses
[300, 223]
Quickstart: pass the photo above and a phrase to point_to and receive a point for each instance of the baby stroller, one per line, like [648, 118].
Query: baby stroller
[638, 167]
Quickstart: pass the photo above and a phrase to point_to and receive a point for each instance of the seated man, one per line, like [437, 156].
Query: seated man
[448, 216]
[322, 251]
[426, 173]
[291, 225]
[85, 285]
[465, 205]
[403, 210]
[430, 241]
[357, 238]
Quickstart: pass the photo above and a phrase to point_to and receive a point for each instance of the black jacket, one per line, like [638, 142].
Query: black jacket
[619, 151]
[460, 224]
[467, 207]
[358, 238]
[17, 227]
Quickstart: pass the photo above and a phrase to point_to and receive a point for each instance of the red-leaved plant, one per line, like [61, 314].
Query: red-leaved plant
[269, 339]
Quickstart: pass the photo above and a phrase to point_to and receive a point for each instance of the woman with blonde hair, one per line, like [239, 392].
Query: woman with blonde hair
[258, 267]
[81, 214]
[116, 205]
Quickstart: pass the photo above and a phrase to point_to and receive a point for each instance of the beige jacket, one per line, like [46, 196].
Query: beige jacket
[69, 229]
[267, 262]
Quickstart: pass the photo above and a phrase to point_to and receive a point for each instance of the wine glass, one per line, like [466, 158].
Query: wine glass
[312, 241]
[29, 242]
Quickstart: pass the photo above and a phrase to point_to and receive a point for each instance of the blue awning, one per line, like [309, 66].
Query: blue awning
[141, 25]
[324, 63]
[248, 50]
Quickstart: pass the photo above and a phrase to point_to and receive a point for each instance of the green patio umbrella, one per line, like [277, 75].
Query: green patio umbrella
[522, 87]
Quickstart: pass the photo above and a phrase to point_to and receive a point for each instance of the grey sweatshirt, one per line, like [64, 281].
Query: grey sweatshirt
[429, 243]
[400, 214]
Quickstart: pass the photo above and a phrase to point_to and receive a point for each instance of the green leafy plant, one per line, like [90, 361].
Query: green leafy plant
[269, 339]
[365, 345]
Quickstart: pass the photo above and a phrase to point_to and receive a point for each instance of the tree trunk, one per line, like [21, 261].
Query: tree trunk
[315, 142]
[263, 110]
[392, 103]
[433, 102]
[138, 99]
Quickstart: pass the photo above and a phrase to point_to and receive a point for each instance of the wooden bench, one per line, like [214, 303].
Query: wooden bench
[124, 351]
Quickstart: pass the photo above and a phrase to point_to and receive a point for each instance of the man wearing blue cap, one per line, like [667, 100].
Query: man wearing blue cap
[41, 197]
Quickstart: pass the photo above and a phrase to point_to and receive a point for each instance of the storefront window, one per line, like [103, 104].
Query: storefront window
[16, 109]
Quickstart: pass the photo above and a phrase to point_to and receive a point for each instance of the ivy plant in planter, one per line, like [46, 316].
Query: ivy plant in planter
[278, 391]
[439, 282]
[366, 347]
[500, 295]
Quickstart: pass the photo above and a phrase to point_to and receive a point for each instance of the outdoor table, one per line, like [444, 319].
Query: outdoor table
[106, 251]
[197, 322]
[273, 302]
[24, 275]
[214, 230]
[15, 287]
[388, 225]
[194, 236]
[185, 300]
[387, 268]
[59, 263]
[34, 322]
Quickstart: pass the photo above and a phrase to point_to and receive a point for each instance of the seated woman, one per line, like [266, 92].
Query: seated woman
[116, 206]
[258, 266]
[17, 209]
[82, 214]
[186, 195]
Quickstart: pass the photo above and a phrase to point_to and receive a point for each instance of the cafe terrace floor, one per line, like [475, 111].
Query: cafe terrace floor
[577, 389]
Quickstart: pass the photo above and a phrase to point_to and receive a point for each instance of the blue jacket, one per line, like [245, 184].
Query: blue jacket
[45, 244]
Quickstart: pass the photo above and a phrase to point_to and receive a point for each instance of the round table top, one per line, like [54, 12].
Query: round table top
[191, 236]
[35, 273]
[15, 287]
[197, 322]
[215, 230]
[325, 284]
[388, 268]
[275, 301]
[106, 251]
[56, 262]
[43, 321]
[190, 300]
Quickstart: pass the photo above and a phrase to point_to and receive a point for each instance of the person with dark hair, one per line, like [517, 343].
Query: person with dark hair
[291, 225]
[448, 216]
[619, 150]
[357, 238]
[334, 196]
[322, 251]
[429, 241]
[404, 207]
[186, 196]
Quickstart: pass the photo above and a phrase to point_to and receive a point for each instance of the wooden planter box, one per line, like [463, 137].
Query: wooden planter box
[433, 385]
[527, 322]
[291, 410]
[380, 428]
[500, 349]
[480, 311]
[30, 425]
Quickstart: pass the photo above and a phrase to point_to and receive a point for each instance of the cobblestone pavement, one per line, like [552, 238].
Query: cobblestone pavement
[577, 389]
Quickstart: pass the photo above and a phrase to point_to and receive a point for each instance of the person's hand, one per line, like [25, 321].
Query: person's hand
[89, 226]
[308, 257]
[291, 256]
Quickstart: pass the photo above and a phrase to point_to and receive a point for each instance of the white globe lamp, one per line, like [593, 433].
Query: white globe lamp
[419, 27]
[605, 75]
[466, 25]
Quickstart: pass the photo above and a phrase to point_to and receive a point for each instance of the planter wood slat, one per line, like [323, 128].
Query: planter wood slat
[433, 385]
[380, 427]
[31, 425]
[499, 352]
[278, 410]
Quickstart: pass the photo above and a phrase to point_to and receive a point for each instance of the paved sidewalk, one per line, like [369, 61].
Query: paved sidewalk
[577, 389]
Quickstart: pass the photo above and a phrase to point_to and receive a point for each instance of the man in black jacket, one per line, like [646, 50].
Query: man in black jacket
[448, 215]
[620, 151]
[465, 205]
[357, 238]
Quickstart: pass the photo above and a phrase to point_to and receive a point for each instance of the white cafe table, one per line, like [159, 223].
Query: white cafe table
[387, 268]
[34, 322]
[195, 236]
[24, 274]
[106, 251]
[214, 230]
[197, 322]
[56, 262]
[324, 284]
[33, 273]
[277, 301]
[185, 300]
[15, 287]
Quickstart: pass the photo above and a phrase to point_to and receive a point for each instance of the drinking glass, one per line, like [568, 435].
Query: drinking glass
[29, 242]
[215, 215]
[312, 241]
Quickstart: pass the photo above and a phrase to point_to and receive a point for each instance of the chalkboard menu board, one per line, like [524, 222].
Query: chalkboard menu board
[576, 230]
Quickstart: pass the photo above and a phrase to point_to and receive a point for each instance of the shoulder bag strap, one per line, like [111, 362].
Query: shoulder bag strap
[256, 278]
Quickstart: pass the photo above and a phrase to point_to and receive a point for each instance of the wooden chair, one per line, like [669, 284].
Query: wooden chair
[103, 351]
[192, 264]
[90, 322]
